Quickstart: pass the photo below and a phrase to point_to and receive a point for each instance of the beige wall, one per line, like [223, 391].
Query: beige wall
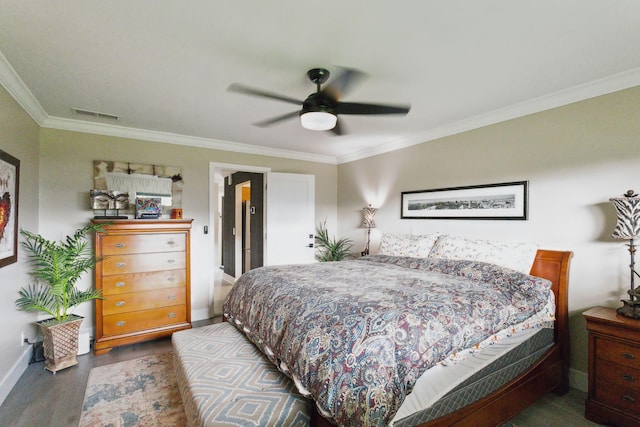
[66, 175]
[19, 138]
[575, 158]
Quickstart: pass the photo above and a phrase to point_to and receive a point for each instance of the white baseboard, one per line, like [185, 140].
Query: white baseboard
[200, 314]
[578, 380]
[15, 373]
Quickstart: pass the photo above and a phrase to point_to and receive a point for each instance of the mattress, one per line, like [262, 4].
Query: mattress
[446, 388]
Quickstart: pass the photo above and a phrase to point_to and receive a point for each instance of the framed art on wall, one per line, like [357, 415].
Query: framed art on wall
[507, 200]
[9, 189]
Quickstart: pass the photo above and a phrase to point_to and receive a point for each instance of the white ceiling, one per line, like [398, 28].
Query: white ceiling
[163, 66]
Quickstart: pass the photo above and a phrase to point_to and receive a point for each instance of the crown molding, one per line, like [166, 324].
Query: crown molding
[581, 92]
[172, 138]
[20, 92]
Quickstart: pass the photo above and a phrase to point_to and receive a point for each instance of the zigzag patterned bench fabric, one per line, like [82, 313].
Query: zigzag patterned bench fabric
[225, 380]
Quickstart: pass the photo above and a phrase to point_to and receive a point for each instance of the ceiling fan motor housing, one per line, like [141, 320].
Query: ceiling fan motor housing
[318, 102]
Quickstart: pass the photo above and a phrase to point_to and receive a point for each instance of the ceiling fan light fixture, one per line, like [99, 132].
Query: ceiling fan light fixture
[318, 120]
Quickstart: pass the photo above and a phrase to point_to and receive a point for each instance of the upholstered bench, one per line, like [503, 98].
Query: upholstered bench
[225, 380]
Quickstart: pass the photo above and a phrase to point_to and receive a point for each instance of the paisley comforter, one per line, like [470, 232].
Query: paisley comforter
[356, 335]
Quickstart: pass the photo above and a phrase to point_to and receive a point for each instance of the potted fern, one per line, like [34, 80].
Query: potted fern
[330, 249]
[56, 267]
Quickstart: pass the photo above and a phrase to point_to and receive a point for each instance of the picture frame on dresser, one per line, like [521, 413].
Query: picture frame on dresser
[145, 278]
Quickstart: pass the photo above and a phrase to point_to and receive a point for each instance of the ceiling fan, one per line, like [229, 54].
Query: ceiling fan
[321, 109]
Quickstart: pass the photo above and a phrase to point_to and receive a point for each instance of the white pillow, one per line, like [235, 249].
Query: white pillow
[517, 256]
[407, 245]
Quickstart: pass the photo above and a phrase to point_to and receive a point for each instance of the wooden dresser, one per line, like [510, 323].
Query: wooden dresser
[145, 281]
[614, 368]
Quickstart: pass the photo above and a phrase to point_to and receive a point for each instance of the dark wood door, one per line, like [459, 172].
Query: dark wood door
[256, 220]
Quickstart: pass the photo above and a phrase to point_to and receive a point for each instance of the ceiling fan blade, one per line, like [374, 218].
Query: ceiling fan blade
[277, 119]
[358, 108]
[343, 82]
[257, 92]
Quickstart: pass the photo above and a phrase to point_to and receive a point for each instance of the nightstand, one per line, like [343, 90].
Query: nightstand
[614, 368]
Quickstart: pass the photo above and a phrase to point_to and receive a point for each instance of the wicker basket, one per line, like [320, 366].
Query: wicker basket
[60, 343]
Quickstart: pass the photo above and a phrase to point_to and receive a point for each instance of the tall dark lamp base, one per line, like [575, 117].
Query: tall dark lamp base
[631, 307]
[365, 252]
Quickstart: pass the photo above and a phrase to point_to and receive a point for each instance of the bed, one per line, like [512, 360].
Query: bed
[358, 336]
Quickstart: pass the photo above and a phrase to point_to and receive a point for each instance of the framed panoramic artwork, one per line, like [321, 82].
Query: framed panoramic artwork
[507, 200]
[9, 189]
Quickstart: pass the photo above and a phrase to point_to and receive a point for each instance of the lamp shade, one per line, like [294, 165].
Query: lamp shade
[318, 120]
[628, 212]
[368, 217]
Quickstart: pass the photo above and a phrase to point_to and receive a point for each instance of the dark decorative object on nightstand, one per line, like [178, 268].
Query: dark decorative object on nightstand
[628, 227]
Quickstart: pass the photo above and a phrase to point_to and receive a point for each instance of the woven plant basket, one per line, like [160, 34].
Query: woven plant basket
[60, 343]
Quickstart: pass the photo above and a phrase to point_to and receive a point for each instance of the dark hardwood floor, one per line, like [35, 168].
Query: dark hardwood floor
[43, 399]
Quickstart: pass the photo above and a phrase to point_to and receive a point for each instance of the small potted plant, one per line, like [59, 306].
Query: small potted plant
[56, 267]
[331, 249]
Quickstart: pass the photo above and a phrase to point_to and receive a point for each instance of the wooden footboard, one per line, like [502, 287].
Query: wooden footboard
[550, 373]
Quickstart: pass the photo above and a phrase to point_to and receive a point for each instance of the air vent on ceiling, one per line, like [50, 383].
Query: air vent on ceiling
[95, 114]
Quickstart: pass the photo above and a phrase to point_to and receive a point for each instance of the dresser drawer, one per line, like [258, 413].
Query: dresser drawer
[622, 397]
[118, 324]
[617, 352]
[138, 263]
[124, 303]
[620, 375]
[142, 243]
[137, 282]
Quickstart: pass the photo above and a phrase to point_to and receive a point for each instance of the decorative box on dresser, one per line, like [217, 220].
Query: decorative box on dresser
[145, 281]
[614, 368]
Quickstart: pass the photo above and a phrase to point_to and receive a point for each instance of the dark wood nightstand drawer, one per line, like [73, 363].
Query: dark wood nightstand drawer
[622, 397]
[617, 352]
[621, 375]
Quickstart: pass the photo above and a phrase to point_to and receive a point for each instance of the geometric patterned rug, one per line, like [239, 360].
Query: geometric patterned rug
[139, 392]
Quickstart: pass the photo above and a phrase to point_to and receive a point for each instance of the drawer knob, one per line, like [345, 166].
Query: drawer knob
[171, 297]
[171, 261]
[120, 265]
[119, 284]
[119, 245]
[171, 315]
[171, 243]
[121, 323]
[120, 303]
[628, 377]
[171, 279]
[628, 399]
[628, 356]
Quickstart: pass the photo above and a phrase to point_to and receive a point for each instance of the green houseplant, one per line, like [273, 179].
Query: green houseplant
[330, 249]
[56, 267]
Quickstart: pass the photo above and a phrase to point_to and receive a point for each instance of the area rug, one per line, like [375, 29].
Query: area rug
[139, 392]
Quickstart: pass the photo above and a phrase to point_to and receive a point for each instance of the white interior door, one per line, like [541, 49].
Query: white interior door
[290, 218]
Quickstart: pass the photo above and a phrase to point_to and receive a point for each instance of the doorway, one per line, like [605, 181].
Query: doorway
[291, 201]
[242, 223]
